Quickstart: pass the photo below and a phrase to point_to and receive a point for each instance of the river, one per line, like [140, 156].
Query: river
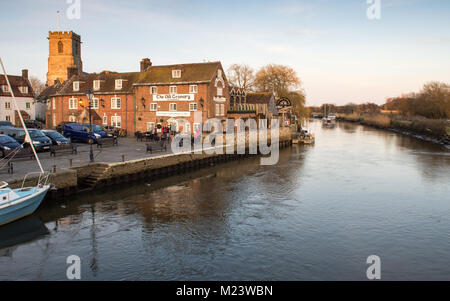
[316, 215]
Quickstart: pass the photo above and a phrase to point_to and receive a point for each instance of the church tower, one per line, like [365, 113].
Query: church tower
[64, 56]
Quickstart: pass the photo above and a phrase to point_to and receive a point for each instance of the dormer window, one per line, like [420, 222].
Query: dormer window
[5, 88]
[96, 85]
[76, 86]
[119, 84]
[23, 89]
[176, 73]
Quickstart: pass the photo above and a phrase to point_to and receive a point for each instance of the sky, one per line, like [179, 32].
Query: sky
[339, 54]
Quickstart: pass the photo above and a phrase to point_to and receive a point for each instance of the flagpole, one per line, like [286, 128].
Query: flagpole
[27, 135]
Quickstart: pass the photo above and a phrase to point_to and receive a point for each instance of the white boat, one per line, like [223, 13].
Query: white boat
[330, 120]
[18, 203]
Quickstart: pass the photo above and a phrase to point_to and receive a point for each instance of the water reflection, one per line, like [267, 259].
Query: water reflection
[315, 215]
[21, 232]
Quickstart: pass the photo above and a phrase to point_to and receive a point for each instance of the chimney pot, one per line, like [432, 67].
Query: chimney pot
[145, 64]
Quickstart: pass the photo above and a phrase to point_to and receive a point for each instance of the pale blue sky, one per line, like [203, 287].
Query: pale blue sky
[339, 54]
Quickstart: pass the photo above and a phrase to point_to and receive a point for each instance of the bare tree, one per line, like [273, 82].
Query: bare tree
[241, 76]
[37, 85]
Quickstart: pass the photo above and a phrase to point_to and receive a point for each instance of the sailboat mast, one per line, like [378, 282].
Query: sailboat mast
[27, 134]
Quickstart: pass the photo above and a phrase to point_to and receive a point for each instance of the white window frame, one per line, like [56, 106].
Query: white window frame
[155, 88]
[95, 102]
[76, 86]
[73, 103]
[116, 121]
[219, 91]
[176, 73]
[217, 109]
[193, 89]
[96, 85]
[54, 120]
[118, 84]
[7, 105]
[173, 88]
[23, 89]
[114, 105]
[54, 103]
[5, 88]
[28, 105]
[222, 109]
[105, 119]
[153, 107]
[193, 107]
[171, 107]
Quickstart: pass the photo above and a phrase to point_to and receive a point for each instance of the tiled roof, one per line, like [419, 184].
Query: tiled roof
[16, 82]
[259, 97]
[198, 72]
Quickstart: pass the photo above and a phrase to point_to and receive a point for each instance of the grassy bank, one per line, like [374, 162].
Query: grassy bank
[433, 128]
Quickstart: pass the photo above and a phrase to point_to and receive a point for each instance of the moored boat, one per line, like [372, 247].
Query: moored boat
[18, 203]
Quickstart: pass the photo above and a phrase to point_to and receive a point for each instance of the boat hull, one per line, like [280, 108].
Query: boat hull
[26, 206]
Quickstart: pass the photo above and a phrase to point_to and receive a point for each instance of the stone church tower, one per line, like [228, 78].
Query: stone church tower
[64, 58]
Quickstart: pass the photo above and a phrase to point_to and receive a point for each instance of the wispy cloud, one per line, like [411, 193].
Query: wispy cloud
[293, 8]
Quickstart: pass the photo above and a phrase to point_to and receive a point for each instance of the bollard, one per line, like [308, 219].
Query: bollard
[70, 163]
[123, 158]
[54, 168]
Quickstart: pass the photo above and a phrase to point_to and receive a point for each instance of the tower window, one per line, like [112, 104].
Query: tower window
[60, 47]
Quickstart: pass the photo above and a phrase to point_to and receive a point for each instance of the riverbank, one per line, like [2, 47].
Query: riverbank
[90, 176]
[432, 130]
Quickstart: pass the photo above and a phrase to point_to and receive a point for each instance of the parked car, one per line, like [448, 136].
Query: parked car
[80, 132]
[33, 124]
[60, 126]
[111, 130]
[7, 143]
[57, 138]
[6, 123]
[40, 141]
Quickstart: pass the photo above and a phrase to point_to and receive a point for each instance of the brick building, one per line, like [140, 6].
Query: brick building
[173, 94]
[134, 101]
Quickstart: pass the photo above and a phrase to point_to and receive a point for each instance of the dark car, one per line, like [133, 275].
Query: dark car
[33, 124]
[60, 126]
[57, 138]
[6, 123]
[80, 132]
[40, 141]
[7, 143]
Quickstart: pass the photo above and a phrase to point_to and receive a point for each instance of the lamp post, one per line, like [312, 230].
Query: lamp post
[91, 141]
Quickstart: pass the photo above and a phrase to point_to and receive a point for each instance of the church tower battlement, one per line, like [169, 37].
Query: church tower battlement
[64, 53]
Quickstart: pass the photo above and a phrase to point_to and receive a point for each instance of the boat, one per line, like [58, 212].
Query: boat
[20, 202]
[304, 137]
[329, 121]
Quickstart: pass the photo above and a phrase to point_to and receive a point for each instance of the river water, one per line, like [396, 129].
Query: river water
[316, 215]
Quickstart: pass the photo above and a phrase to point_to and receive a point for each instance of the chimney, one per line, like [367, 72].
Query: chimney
[25, 73]
[71, 71]
[145, 63]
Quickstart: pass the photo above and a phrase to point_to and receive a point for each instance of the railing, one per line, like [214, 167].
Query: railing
[42, 180]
